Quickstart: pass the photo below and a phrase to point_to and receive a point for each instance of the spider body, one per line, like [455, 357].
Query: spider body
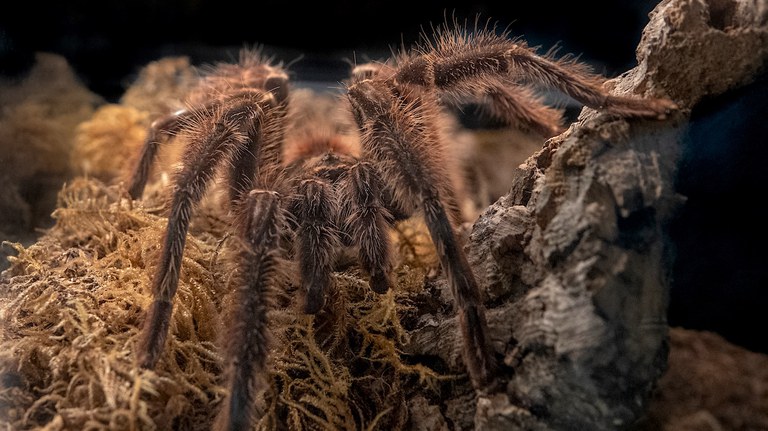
[325, 189]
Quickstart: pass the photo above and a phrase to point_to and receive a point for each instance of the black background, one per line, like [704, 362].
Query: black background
[719, 278]
[107, 41]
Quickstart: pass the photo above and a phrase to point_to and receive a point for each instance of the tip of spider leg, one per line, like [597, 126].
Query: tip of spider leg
[147, 361]
[379, 282]
[314, 301]
[154, 333]
[664, 107]
[277, 84]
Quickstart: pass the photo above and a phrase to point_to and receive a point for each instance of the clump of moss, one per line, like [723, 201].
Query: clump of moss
[161, 86]
[72, 305]
[37, 125]
[109, 140]
[344, 369]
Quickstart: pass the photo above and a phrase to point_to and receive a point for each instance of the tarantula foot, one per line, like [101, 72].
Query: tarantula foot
[664, 107]
[153, 333]
[314, 299]
[380, 282]
[277, 84]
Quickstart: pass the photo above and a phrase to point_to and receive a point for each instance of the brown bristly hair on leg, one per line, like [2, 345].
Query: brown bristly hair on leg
[261, 220]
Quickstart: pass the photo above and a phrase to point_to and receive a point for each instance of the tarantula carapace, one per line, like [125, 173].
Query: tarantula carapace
[324, 193]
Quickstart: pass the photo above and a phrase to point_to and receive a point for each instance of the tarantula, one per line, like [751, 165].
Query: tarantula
[322, 193]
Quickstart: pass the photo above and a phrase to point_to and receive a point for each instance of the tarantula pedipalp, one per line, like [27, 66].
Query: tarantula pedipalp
[328, 194]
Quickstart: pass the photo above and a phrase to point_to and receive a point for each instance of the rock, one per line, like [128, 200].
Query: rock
[576, 256]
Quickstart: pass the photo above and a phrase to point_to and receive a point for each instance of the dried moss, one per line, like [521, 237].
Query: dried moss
[110, 138]
[71, 306]
[72, 303]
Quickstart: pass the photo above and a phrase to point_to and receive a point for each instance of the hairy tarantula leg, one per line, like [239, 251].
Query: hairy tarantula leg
[519, 106]
[261, 223]
[396, 133]
[276, 83]
[240, 176]
[262, 149]
[315, 209]
[459, 60]
[159, 129]
[265, 139]
[583, 86]
[190, 183]
[465, 290]
[366, 222]
[215, 141]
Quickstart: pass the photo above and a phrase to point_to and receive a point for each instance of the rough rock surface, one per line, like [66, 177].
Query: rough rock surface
[576, 257]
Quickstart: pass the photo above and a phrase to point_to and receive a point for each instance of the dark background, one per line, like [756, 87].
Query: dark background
[107, 41]
[719, 277]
